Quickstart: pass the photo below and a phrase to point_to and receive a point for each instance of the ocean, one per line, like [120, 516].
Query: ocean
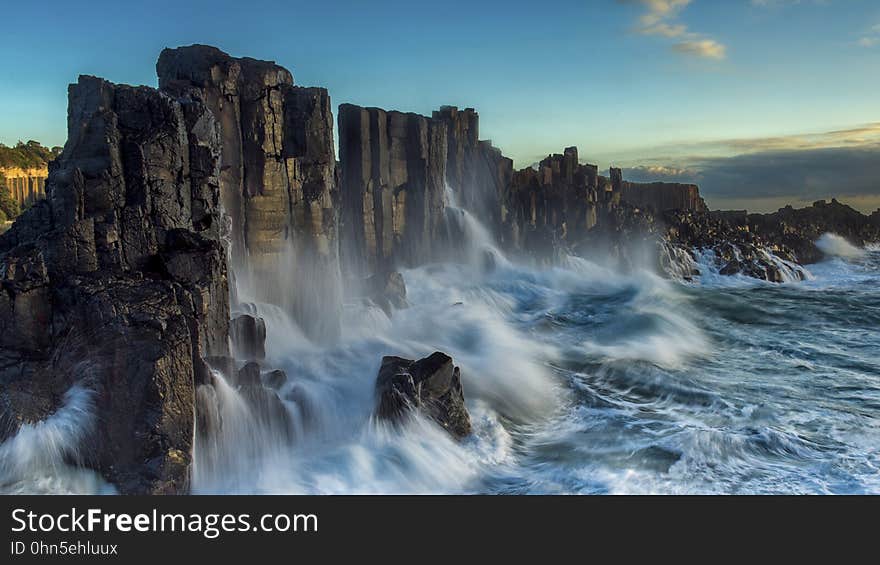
[579, 379]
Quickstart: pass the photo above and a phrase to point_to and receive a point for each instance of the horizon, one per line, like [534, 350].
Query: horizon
[679, 90]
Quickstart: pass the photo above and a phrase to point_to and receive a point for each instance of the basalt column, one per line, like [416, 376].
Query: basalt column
[277, 180]
[553, 205]
[476, 172]
[392, 191]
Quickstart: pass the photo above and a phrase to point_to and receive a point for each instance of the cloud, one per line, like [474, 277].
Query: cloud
[660, 18]
[649, 173]
[708, 48]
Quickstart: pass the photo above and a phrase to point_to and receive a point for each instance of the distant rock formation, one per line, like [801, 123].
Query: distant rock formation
[26, 186]
[118, 281]
[277, 181]
[663, 196]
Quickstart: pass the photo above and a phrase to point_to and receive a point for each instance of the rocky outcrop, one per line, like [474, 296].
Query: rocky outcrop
[277, 181]
[118, 281]
[799, 229]
[392, 188]
[431, 385]
[663, 196]
[554, 204]
[741, 241]
[26, 186]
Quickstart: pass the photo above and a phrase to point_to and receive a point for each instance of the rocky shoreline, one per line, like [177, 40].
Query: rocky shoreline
[171, 210]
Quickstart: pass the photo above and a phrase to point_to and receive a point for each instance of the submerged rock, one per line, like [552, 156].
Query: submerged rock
[431, 385]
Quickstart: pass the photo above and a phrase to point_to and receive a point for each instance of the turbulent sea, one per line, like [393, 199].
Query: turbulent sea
[579, 379]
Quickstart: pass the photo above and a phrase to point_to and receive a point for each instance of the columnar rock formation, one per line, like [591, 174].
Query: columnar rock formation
[118, 282]
[556, 202]
[26, 186]
[277, 178]
[392, 188]
[477, 173]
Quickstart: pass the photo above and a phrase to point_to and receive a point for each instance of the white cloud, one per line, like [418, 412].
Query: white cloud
[871, 37]
[661, 18]
[708, 48]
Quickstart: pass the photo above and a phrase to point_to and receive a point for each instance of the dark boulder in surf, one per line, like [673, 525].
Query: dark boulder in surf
[431, 385]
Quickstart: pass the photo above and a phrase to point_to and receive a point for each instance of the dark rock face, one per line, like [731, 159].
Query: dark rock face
[740, 240]
[248, 334]
[738, 249]
[663, 196]
[392, 188]
[555, 204]
[277, 180]
[118, 281]
[431, 385]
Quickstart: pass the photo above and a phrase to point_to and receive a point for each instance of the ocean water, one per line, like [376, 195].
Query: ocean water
[579, 379]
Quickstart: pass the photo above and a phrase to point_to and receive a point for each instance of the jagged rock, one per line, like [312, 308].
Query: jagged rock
[117, 281]
[248, 334]
[431, 385]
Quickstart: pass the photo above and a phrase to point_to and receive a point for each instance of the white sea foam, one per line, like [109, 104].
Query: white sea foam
[42, 457]
[837, 246]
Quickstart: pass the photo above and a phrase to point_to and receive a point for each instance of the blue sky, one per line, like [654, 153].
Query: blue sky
[662, 87]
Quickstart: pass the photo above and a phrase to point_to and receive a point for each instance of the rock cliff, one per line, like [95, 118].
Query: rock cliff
[392, 188]
[118, 282]
[277, 181]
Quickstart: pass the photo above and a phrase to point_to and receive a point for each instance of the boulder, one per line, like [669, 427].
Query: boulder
[431, 385]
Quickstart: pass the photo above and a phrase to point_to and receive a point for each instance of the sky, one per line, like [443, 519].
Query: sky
[762, 102]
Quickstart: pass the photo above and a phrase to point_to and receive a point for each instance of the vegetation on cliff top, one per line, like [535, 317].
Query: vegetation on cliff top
[30, 155]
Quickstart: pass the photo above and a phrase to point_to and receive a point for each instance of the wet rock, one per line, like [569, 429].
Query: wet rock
[117, 281]
[431, 385]
[275, 379]
[278, 177]
[223, 363]
[248, 334]
[388, 291]
[249, 375]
